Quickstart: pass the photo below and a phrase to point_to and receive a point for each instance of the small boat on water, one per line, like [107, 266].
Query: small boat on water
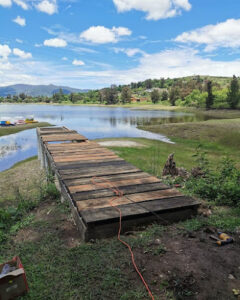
[5, 122]
[19, 121]
[30, 120]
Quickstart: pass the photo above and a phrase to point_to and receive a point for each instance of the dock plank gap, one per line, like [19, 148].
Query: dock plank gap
[85, 174]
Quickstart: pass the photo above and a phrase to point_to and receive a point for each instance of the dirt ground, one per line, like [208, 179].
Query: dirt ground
[191, 264]
[194, 267]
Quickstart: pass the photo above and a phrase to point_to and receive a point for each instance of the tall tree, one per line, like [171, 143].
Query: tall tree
[22, 96]
[111, 95]
[210, 96]
[155, 96]
[164, 95]
[233, 93]
[173, 95]
[162, 83]
[126, 95]
[148, 84]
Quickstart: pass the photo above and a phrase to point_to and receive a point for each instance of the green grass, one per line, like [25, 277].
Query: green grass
[223, 217]
[18, 128]
[24, 161]
[153, 157]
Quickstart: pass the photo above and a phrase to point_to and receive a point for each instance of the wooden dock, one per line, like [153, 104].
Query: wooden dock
[85, 171]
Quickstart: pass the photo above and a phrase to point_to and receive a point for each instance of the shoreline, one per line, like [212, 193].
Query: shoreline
[18, 128]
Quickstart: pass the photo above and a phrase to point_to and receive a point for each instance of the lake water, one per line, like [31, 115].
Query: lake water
[92, 122]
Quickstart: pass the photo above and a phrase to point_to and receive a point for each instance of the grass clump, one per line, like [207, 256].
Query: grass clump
[13, 218]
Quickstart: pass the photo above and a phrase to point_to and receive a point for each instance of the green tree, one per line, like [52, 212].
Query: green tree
[111, 95]
[126, 95]
[233, 93]
[162, 83]
[173, 95]
[148, 84]
[155, 96]
[22, 96]
[15, 98]
[210, 96]
[164, 96]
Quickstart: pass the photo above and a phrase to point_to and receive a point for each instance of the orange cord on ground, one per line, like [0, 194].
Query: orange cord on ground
[119, 194]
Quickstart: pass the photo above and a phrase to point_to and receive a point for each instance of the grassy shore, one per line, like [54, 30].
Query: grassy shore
[18, 128]
[59, 266]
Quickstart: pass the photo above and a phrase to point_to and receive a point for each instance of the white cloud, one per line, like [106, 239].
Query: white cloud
[225, 34]
[155, 9]
[48, 7]
[57, 43]
[20, 21]
[168, 63]
[64, 58]
[121, 31]
[78, 62]
[103, 35]
[19, 41]
[21, 53]
[130, 52]
[6, 3]
[5, 51]
[22, 4]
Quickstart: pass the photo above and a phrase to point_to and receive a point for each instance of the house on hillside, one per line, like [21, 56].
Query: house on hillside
[138, 99]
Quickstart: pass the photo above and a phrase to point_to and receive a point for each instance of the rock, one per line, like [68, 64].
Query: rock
[231, 277]
[206, 212]
[157, 242]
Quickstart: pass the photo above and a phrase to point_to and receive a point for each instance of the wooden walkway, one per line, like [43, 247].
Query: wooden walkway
[75, 160]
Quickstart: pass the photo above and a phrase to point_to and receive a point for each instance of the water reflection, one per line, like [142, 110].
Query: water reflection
[93, 122]
[8, 149]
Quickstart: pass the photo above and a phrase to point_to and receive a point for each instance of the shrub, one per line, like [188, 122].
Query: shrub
[221, 185]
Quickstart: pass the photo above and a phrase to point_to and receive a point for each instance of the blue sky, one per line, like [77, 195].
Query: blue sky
[92, 44]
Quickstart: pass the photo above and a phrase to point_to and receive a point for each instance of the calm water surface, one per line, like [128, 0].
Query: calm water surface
[93, 122]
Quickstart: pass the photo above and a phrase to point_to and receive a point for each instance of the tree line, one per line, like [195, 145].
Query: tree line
[189, 91]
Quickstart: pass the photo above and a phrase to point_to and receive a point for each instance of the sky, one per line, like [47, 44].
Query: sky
[96, 43]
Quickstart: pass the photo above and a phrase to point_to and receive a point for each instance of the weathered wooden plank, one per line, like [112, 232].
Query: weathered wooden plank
[105, 230]
[86, 144]
[55, 132]
[63, 137]
[130, 189]
[131, 210]
[102, 158]
[79, 151]
[97, 172]
[132, 198]
[70, 167]
[103, 185]
[112, 178]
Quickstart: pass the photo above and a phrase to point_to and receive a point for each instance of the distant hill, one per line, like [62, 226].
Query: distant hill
[36, 90]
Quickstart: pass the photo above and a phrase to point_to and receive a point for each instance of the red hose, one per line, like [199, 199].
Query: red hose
[119, 194]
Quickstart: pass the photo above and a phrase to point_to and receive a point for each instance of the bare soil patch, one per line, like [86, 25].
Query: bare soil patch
[193, 266]
[120, 143]
[56, 221]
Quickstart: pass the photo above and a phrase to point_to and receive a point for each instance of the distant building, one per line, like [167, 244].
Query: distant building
[138, 99]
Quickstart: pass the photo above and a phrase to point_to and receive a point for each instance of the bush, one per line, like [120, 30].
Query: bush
[221, 186]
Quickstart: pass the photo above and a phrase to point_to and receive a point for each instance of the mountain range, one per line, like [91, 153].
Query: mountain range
[37, 90]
